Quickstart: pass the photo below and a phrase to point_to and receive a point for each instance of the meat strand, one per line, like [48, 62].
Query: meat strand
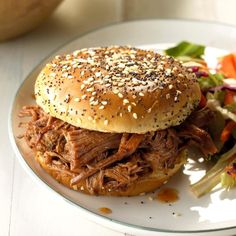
[198, 137]
[126, 148]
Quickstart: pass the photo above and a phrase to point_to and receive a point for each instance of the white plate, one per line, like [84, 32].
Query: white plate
[213, 214]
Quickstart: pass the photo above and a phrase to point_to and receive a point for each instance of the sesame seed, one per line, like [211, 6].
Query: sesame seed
[129, 108]
[86, 82]
[115, 91]
[52, 74]
[141, 94]
[149, 110]
[120, 84]
[104, 103]
[83, 96]
[65, 74]
[97, 74]
[90, 118]
[167, 96]
[81, 60]
[82, 86]
[91, 89]
[168, 72]
[105, 122]
[76, 99]
[125, 101]
[175, 69]
[101, 107]
[121, 65]
[94, 103]
[75, 53]
[135, 115]
[91, 99]
[170, 86]
[120, 95]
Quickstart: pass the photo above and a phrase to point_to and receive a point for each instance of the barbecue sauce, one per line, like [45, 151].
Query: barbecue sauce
[105, 210]
[167, 195]
[33, 96]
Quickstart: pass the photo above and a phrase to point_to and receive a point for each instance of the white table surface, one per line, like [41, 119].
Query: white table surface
[26, 208]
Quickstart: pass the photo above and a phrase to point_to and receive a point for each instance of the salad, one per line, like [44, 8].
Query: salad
[218, 87]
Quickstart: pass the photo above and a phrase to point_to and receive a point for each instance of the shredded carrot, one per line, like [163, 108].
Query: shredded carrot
[202, 102]
[229, 97]
[234, 60]
[227, 65]
[227, 131]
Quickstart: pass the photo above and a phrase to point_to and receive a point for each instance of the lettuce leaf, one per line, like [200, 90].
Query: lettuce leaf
[186, 49]
[227, 181]
[213, 80]
[231, 107]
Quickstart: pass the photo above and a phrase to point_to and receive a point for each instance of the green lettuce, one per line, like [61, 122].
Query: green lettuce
[212, 80]
[186, 49]
[227, 181]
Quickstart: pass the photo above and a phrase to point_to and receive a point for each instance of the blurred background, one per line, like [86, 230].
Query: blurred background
[65, 19]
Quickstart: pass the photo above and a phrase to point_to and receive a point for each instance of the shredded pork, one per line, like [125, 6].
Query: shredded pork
[111, 160]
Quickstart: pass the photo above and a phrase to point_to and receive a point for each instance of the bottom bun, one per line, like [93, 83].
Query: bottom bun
[59, 171]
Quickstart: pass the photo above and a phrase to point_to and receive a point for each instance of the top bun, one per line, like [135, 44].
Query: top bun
[117, 89]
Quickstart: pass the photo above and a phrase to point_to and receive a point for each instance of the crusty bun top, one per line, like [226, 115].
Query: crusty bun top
[117, 89]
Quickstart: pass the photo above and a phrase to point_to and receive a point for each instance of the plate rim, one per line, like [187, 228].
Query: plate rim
[89, 214]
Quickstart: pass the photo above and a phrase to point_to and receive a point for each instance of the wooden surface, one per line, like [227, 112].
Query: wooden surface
[25, 208]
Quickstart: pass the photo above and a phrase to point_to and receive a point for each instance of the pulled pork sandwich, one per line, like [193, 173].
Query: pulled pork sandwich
[115, 120]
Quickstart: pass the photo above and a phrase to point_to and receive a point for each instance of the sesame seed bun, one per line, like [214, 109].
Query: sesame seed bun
[117, 89]
[145, 184]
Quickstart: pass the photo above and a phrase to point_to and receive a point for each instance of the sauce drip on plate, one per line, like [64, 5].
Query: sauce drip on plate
[167, 195]
[105, 210]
